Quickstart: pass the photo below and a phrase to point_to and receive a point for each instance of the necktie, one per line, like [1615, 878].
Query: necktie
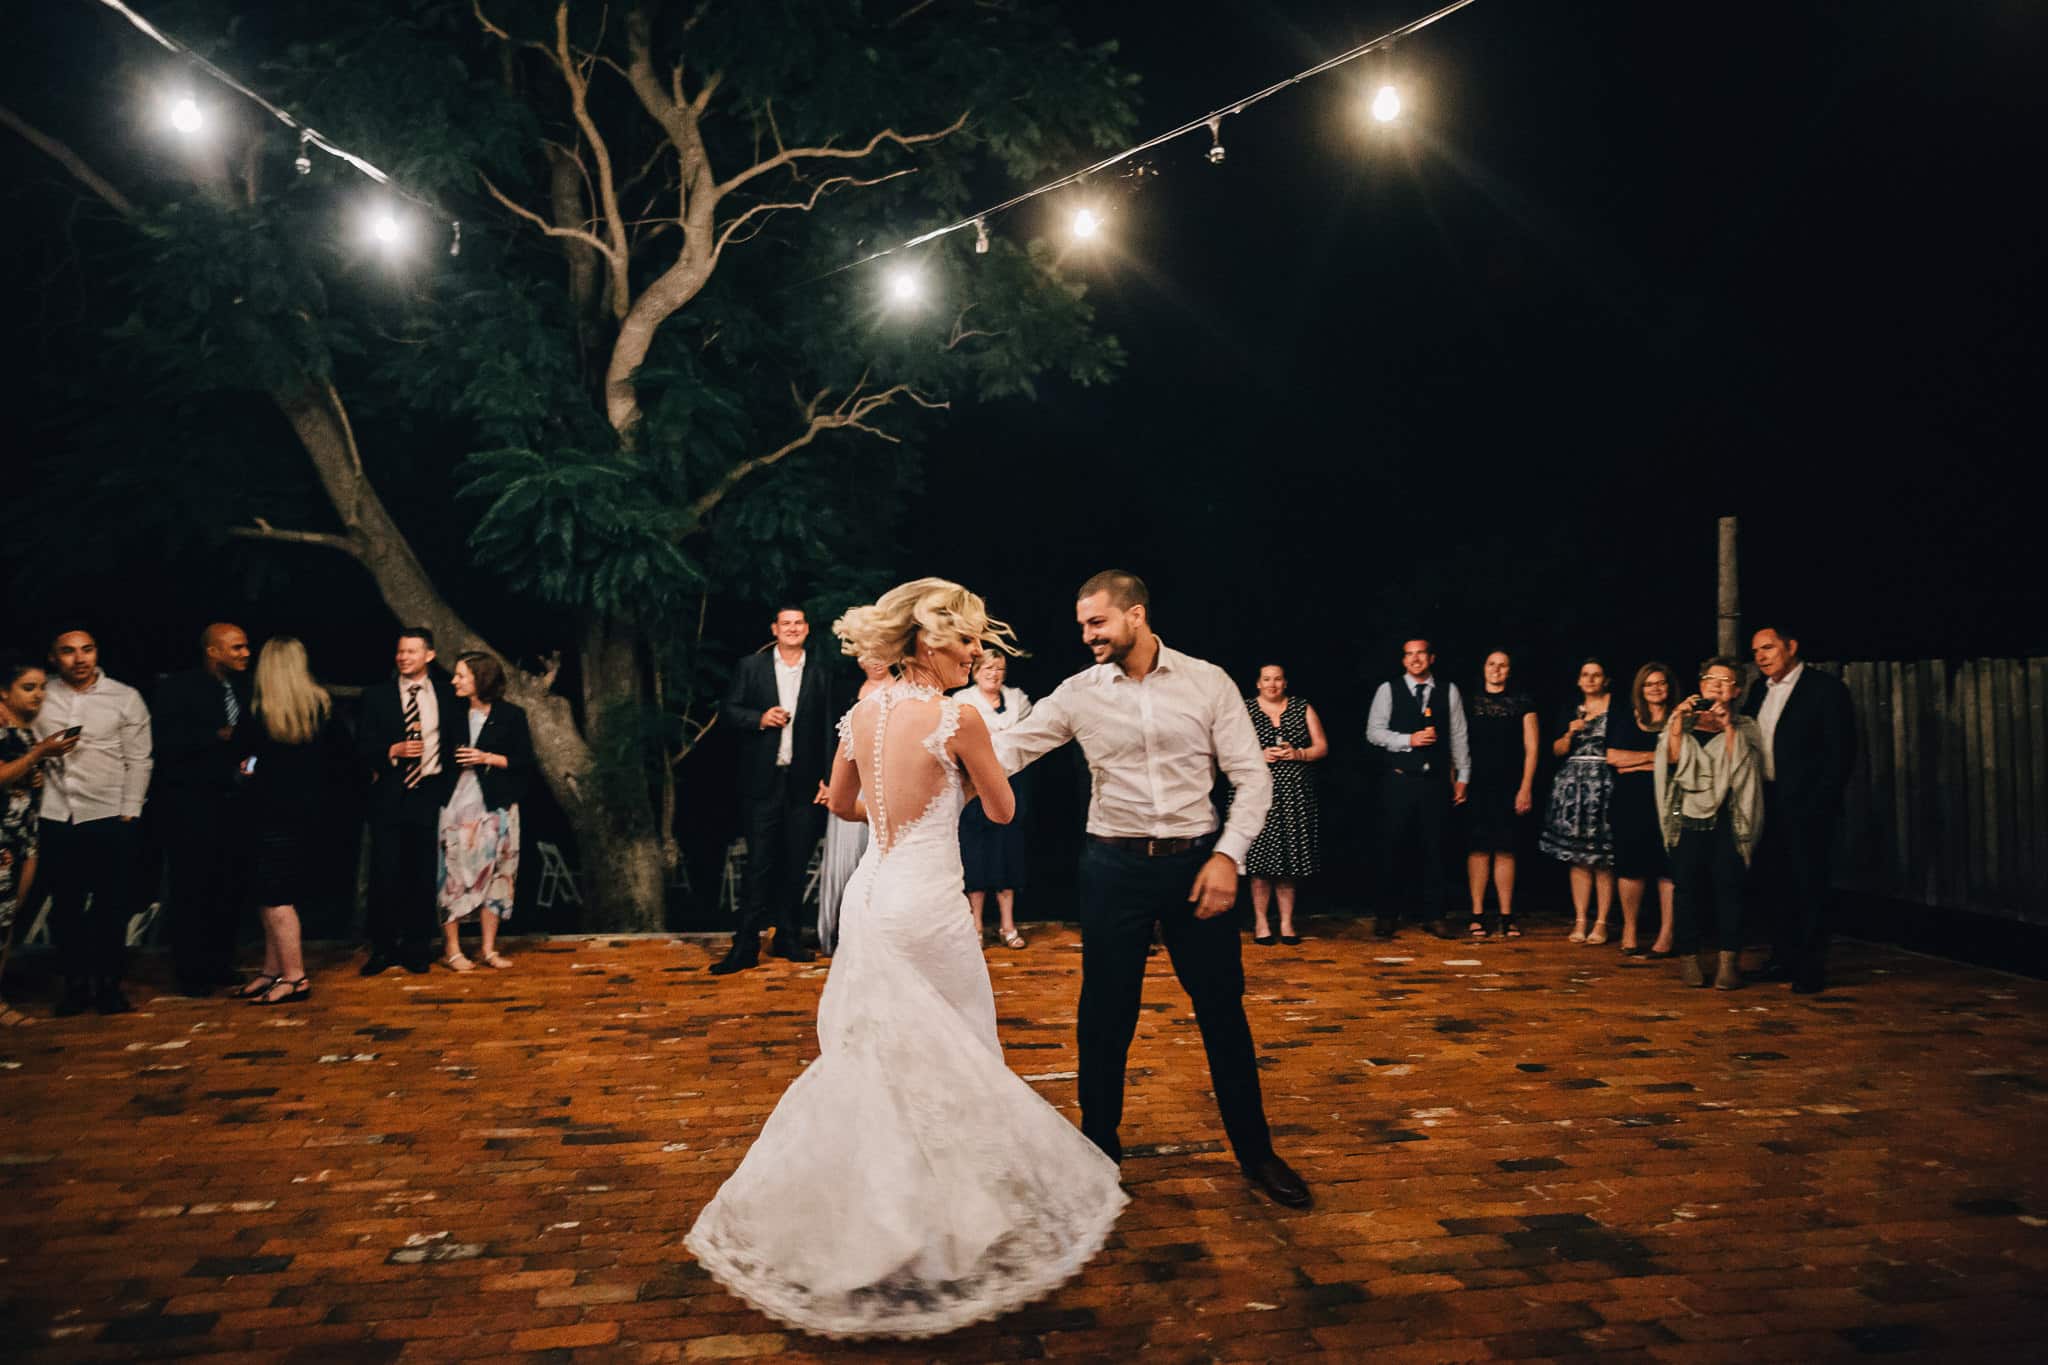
[234, 706]
[412, 731]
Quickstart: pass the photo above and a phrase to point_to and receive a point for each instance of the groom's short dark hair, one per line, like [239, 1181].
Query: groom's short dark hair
[1126, 590]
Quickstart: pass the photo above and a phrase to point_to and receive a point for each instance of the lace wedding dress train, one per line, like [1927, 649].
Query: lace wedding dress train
[908, 1183]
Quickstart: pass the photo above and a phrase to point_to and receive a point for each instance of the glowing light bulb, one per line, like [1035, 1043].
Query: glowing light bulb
[1386, 104]
[384, 227]
[904, 287]
[185, 115]
[1086, 224]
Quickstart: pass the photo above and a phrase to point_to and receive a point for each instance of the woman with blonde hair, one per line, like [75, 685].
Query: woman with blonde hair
[287, 740]
[908, 1182]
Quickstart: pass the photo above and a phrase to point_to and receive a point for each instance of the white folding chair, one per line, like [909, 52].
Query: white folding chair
[557, 878]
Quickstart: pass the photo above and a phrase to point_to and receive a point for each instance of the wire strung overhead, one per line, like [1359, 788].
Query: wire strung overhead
[1386, 106]
[186, 117]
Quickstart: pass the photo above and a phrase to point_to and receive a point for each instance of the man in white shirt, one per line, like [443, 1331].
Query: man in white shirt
[1411, 717]
[92, 803]
[1155, 725]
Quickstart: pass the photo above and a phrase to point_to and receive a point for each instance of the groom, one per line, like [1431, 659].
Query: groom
[1155, 725]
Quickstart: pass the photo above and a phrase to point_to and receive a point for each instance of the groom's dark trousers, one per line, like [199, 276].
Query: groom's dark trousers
[1123, 893]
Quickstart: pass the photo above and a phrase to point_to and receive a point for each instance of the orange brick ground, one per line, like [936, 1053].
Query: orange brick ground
[1519, 1150]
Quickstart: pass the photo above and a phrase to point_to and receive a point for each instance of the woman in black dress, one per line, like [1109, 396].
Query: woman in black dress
[289, 739]
[1291, 734]
[1504, 747]
[1639, 856]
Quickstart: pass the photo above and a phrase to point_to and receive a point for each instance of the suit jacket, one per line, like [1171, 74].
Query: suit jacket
[504, 732]
[187, 714]
[383, 725]
[1812, 750]
[753, 693]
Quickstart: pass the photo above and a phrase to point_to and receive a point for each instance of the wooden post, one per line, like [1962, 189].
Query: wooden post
[1727, 602]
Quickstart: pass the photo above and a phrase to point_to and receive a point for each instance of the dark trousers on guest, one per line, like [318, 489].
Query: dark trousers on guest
[1706, 900]
[203, 850]
[1123, 894]
[405, 855]
[1795, 878]
[90, 869]
[1415, 811]
[783, 825]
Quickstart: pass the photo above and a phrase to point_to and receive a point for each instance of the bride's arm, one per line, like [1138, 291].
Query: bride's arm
[978, 756]
[842, 798]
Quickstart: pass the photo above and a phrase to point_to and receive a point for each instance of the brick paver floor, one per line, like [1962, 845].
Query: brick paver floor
[1519, 1150]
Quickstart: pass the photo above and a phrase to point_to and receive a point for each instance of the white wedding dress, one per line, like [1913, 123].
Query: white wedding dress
[908, 1182]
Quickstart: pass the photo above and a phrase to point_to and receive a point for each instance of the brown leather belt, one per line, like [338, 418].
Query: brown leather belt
[1153, 848]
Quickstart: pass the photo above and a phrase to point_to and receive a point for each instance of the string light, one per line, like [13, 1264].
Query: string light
[1216, 141]
[1086, 223]
[980, 237]
[1386, 104]
[905, 288]
[1211, 120]
[188, 117]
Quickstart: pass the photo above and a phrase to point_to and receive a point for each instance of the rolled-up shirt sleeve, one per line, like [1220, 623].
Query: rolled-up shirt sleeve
[1047, 726]
[1244, 763]
[1376, 731]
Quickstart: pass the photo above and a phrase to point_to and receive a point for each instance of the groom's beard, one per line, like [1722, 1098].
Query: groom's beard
[1117, 652]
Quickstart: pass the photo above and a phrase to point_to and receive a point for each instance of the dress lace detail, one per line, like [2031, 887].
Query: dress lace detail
[908, 1183]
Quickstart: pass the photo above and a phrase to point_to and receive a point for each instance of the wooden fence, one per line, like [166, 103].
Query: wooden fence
[1948, 806]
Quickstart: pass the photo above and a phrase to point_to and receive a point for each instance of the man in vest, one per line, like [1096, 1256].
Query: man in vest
[1420, 724]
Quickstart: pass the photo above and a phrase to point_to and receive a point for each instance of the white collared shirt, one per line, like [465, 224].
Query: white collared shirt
[1380, 717]
[789, 684]
[107, 775]
[1777, 691]
[1153, 746]
[430, 722]
[1016, 706]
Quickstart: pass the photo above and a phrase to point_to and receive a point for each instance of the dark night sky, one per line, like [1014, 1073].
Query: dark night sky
[1622, 268]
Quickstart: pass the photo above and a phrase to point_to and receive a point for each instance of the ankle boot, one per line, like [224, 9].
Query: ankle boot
[1692, 968]
[1729, 977]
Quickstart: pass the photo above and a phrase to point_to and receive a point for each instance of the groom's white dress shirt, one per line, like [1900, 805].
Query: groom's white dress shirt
[1153, 746]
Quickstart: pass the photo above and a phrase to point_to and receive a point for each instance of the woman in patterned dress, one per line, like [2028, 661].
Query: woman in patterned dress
[21, 779]
[1578, 831]
[480, 823]
[1292, 736]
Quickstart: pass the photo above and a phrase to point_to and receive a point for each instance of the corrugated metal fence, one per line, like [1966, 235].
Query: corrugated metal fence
[1948, 806]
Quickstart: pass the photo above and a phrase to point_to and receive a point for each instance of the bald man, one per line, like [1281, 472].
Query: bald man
[197, 713]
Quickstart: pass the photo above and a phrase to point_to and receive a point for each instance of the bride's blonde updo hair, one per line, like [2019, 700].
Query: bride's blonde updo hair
[924, 609]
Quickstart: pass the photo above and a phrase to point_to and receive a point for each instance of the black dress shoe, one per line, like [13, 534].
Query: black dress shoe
[1382, 928]
[735, 961]
[75, 1000]
[1776, 970]
[418, 965]
[1811, 983]
[796, 953]
[111, 1001]
[378, 962]
[1279, 1181]
[195, 990]
[1439, 929]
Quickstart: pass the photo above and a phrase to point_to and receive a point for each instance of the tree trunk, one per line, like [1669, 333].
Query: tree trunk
[622, 881]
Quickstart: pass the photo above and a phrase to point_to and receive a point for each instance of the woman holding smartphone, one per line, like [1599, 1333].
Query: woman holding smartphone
[1710, 799]
[480, 823]
[22, 684]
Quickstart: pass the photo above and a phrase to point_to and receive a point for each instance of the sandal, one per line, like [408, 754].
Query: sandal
[456, 962]
[1576, 936]
[1598, 936]
[495, 959]
[257, 987]
[1012, 939]
[1509, 929]
[300, 989]
[1478, 929]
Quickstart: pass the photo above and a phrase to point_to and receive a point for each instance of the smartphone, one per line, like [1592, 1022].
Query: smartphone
[73, 733]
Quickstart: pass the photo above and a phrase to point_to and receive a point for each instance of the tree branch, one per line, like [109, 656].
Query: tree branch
[725, 234]
[263, 530]
[70, 161]
[589, 239]
[790, 155]
[850, 413]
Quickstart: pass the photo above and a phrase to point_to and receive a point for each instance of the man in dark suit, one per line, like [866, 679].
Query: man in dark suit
[411, 727]
[193, 800]
[1809, 748]
[780, 702]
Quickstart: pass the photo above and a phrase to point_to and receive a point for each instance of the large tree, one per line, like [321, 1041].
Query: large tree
[646, 375]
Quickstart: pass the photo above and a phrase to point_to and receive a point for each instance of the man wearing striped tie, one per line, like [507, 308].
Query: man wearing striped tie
[192, 795]
[408, 737]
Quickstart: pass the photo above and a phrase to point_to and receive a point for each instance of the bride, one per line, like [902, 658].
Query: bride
[908, 1183]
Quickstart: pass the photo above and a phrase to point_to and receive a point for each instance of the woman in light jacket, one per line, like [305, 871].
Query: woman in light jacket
[1710, 802]
[993, 854]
